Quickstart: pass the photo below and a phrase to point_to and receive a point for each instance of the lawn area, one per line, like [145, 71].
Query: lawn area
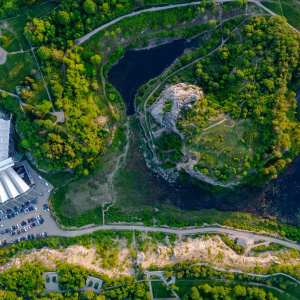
[12, 43]
[275, 7]
[41, 9]
[160, 291]
[16, 68]
[290, 9]
[222, 145]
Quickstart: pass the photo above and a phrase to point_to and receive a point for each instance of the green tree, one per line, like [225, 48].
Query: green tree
[63, 17]
[96, 59]
[44, 53]
[90, 7]
[44, 107]
[25, 144]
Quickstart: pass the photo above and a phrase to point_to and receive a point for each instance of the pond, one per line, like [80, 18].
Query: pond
[137, 67]
[280, 198]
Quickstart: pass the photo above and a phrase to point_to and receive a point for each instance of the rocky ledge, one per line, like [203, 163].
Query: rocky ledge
[176, 97]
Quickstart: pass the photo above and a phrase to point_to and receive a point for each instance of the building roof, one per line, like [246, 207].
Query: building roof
[4, 138]
[11, 185]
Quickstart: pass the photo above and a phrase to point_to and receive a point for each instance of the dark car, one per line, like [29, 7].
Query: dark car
[45, 234]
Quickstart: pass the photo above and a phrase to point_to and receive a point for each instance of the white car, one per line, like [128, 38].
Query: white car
[48, 190]
[1, 225]
[40, 178]
[46, 184]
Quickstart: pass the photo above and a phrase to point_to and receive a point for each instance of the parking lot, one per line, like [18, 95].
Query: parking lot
[28, 216]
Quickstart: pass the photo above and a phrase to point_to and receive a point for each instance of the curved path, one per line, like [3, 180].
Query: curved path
[237, 233]
[152, 9]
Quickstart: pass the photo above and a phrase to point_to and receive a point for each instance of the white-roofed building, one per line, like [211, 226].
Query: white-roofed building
[11, 184]
[4, 138]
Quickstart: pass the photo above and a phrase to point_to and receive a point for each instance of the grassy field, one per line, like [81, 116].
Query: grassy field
[12, 43]
[42, 9]
[290, 9]
[221, 145]
[16, 68]
[274, 6]
[160, 290]
[92, 191]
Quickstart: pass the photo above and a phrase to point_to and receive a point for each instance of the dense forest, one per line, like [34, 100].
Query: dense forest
[265, 67]
[251, 80]
[28, 281]
[74, 78]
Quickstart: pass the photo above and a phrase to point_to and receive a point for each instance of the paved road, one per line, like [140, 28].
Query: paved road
[237, 233]
[53, 229]
[92, 33]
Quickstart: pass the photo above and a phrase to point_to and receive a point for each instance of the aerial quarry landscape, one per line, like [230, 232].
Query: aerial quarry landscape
[149, 149]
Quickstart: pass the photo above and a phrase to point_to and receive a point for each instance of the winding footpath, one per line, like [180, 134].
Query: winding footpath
[57, 231]
[152, 9]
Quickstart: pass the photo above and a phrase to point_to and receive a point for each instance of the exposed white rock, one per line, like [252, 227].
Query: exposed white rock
[182, 96]
[3, 56]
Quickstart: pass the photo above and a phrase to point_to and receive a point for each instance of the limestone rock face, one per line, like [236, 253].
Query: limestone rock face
[182, 96]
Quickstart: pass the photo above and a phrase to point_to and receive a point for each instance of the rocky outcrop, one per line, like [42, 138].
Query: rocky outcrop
[180, 96]
[3, 56]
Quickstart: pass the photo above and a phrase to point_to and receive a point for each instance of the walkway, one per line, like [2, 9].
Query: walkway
[239, 234]
[152, 9]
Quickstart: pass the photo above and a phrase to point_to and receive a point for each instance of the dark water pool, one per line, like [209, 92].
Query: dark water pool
[280, 198]
[138, 67]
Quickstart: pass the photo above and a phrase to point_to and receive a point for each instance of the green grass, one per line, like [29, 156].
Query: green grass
[213, 150]
[12, 43]
[16, 68]
[160, 290]
[41, 10]
[19, 65]
[16, 26]
[275, 7]
[290, 9]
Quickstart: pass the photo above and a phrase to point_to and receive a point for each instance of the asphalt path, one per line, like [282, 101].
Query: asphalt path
[152, 9]
[52, 229]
